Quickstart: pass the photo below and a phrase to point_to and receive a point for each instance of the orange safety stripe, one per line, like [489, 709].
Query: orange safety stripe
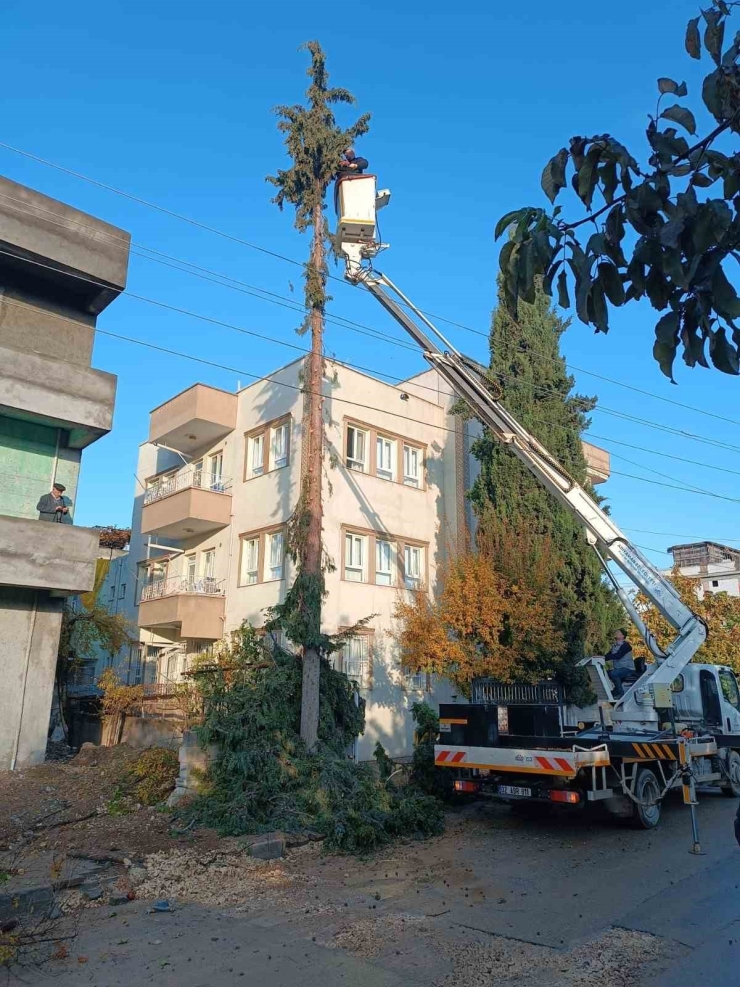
[462, 722]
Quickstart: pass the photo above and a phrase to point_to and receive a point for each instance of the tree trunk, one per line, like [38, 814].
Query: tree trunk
[312, 560]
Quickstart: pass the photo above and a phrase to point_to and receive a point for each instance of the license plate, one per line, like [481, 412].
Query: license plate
[514, 790]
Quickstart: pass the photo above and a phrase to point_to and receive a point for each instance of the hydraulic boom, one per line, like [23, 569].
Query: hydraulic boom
[469, 380]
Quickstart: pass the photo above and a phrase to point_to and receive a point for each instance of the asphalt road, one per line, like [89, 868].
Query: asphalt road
[498, 899]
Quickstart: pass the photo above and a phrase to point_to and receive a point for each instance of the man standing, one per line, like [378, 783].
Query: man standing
[623, 664]
[55, 506]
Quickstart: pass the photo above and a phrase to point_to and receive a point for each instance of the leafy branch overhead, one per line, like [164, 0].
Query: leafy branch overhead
[651, 230]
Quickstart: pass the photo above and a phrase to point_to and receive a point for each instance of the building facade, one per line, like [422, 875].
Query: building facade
[715, 567]
[59, 269]
[220, 476]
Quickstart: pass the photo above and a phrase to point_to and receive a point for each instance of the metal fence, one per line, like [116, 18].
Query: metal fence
[179, 585]
[515, 693]
[184, 480]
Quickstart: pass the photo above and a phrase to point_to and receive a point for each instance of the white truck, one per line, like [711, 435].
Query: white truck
[677, 725]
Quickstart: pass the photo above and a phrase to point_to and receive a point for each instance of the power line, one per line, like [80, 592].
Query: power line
[254, 246]
[673, 534]
[358, 404]
[684, 486]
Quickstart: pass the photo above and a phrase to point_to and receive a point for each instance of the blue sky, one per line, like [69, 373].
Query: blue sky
[172, 102]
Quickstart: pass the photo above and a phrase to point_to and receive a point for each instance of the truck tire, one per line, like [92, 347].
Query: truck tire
[732, 788]
[647, 790]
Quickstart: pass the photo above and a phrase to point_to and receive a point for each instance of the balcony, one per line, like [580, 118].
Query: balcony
[193, 607]
[63, 395]
[59, 558]
[598, 463]
[186, 505]
[199, 416]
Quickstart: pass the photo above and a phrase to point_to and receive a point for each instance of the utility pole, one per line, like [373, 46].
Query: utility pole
[315, 142]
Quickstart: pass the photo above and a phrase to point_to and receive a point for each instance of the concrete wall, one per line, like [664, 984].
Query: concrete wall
[29, 635]
[42, 555]
[59, 268]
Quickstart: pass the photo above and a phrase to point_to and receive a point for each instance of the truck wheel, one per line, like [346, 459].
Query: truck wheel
[647, 791]
[732, 788]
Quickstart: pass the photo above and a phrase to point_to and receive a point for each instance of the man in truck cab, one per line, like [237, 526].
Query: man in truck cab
[623, 662]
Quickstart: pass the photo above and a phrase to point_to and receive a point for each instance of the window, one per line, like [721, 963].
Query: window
[279, 446]
[256, 455]
[715, 582]
[416, 681]
[112, 594]
[383, 557]
[121, 591]
[250, 561]
[729, 687]
[274, 555]
[356, 449]
[385, 461]
[355, 659]
[412, 466]
[413, 566]
[355, 553]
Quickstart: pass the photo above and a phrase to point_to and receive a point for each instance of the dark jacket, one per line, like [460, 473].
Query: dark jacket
[621, 656]
[361, 166]
[47, 508]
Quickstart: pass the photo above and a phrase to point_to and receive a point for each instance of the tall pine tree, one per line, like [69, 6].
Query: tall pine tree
[527, 366]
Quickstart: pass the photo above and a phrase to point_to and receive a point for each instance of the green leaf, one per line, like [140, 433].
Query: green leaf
[700, 180]
[527, 272]
[693, 41]
[550, 276]
[680, 115]
[598, 310]
[588, 176]
[724, 297]
[553, 174]
[723, 354]
[666, 343]
[714, 34]
[506, 221]
[693, 343]
[608, 174]
[671, 232]
[563, 297]
[611, 281]
[666, 85]
[711, 93]
[658, 288]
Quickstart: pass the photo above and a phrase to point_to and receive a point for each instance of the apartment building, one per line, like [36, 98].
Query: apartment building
[217, 481]
[715, 567]
[59, 269]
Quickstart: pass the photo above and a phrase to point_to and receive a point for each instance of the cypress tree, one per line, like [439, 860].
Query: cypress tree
[314, 142]
[535, 386]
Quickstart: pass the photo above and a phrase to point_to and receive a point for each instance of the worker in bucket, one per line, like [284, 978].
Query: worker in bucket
[623, 662]
[351, 164]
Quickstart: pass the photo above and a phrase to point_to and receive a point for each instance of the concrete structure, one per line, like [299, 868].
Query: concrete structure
[715, 567]
[59, 268]
[218, 480]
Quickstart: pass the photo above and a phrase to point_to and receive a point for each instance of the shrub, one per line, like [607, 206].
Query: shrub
[156, 771]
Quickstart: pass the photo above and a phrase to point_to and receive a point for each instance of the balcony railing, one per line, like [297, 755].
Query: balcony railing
[184, 481]
[180, 585]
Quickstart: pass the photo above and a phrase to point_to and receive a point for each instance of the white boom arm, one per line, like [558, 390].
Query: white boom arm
[468, 379]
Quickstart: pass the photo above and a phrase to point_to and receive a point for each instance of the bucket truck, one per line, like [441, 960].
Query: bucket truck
[677, 725]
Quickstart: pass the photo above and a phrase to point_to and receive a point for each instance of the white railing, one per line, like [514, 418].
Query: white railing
[179, 585]
[184, 480]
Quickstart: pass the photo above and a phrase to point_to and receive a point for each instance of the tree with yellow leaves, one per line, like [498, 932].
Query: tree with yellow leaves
[495, 615]
[720, 611]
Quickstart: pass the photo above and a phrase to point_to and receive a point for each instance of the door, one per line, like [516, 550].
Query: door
[731, 697]
[217, 471]
[209, 571]
[710, 698]
[191, 573]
